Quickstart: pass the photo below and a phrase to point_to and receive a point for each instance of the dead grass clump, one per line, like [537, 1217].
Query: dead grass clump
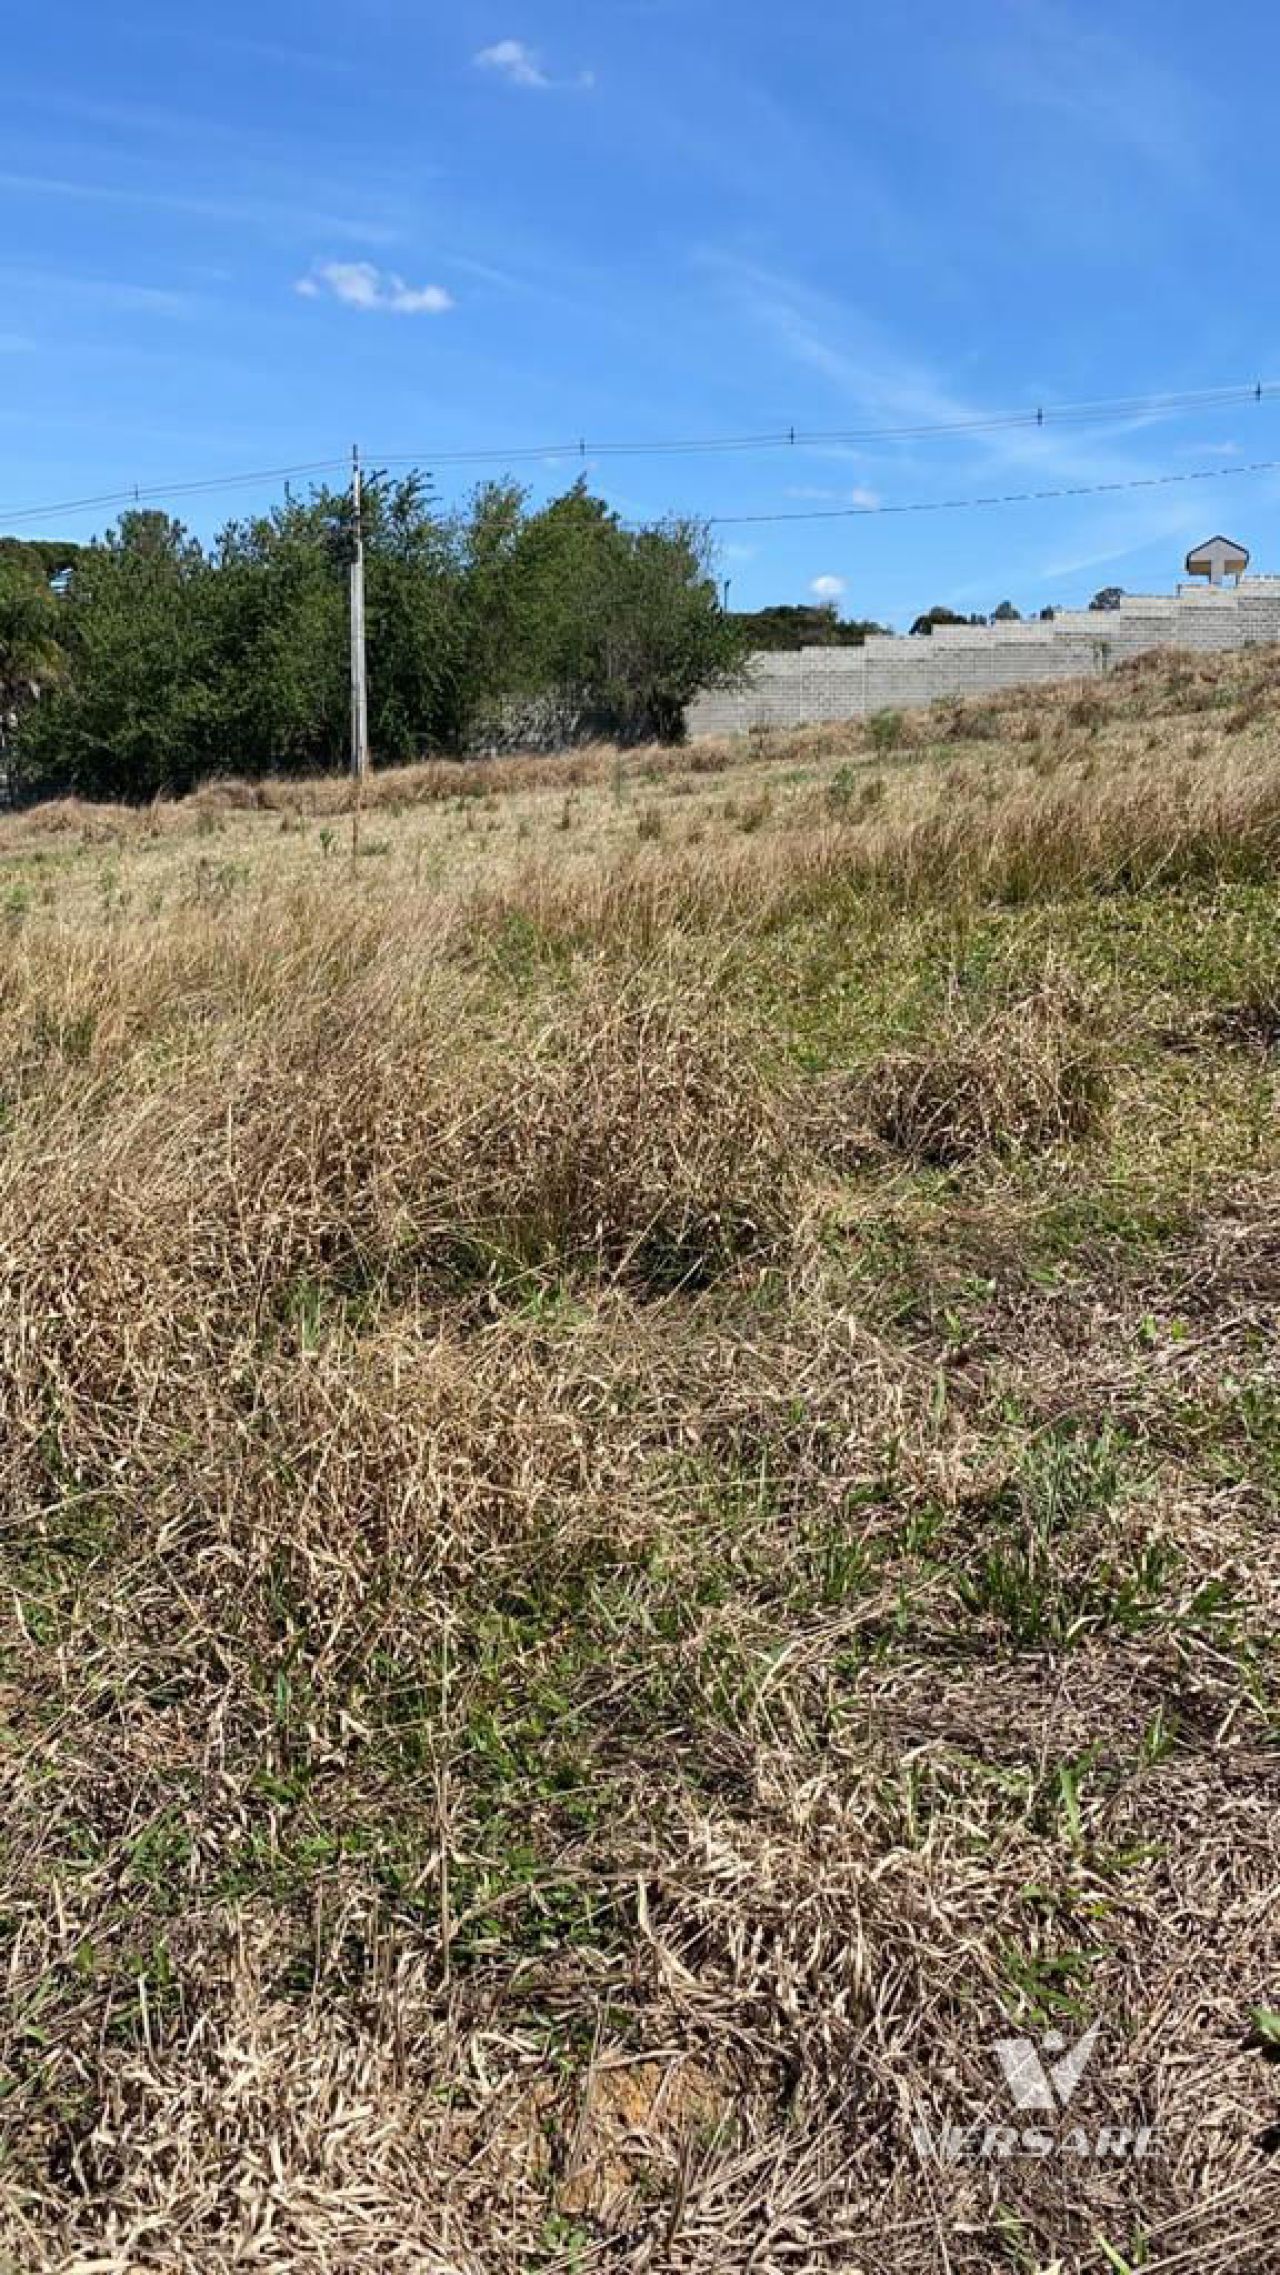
[969, 718]
[639, 1140]
[1088, 709]
[634, 1138]
[1253, 1020]
[230, 794]
[707, 755]
[92, 823]
[426, 782]
[1021, 1081]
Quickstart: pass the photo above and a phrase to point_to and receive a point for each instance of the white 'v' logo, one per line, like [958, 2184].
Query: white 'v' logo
[1031, 2084]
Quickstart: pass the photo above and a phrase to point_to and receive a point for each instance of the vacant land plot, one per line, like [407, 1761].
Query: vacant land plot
[641, 1436]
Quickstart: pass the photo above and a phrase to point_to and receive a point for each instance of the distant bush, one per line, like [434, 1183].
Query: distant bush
[886, 730]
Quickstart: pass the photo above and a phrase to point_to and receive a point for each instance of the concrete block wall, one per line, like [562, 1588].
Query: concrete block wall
[802, 687]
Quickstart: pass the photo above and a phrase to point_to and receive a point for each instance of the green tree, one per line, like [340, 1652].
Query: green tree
[624, 625]
[488, 605]
[31, 655]
[669, 636]
[283, 640]
[131, 714]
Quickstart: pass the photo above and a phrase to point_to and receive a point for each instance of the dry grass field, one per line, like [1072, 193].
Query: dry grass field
[641, 1438]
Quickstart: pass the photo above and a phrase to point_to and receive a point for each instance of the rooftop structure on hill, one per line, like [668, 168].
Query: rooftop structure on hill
[1218, 558]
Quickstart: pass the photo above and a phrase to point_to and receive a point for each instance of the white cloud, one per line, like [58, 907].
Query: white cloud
[521, 66]
[828, 589]
[867, 499]
[513, 61]
[358, 284]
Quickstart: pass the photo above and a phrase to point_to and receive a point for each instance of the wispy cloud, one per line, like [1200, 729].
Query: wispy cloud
[874, 377]
[1174, 523]
[107, 292]
[258, 212]
[828, 589]
[823, 493]
[199, 37]
[521, 66]
[1118, 94]
[358, 284]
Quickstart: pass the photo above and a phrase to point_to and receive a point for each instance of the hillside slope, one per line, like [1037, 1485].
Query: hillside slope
[640, 1459]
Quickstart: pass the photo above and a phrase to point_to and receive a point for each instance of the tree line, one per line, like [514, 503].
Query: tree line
[147, 660]
[1108, 599]
[810, 624]
[816, 625]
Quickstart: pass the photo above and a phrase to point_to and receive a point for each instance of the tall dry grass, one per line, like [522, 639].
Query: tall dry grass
[1044, 840]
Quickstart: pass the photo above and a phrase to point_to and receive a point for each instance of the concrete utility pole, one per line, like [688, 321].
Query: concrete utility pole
[359, 672]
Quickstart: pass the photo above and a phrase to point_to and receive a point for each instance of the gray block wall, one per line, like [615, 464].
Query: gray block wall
[802, 687]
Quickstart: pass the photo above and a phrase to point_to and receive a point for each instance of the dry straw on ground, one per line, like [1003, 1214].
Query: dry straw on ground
[639, 1479]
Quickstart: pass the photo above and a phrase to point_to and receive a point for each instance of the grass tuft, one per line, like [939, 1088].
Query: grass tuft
[1020, 1081]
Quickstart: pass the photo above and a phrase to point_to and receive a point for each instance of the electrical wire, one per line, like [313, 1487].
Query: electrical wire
[139, 494]
[796, 438]
[1000, 498]
[786, 438]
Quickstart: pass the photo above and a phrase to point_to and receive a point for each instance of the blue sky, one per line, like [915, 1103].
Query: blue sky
[242, 238]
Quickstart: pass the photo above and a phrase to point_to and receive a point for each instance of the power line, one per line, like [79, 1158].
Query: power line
[137, 495]
[784, 438]
[1000, 498]
[791, 437]
[881, 509]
